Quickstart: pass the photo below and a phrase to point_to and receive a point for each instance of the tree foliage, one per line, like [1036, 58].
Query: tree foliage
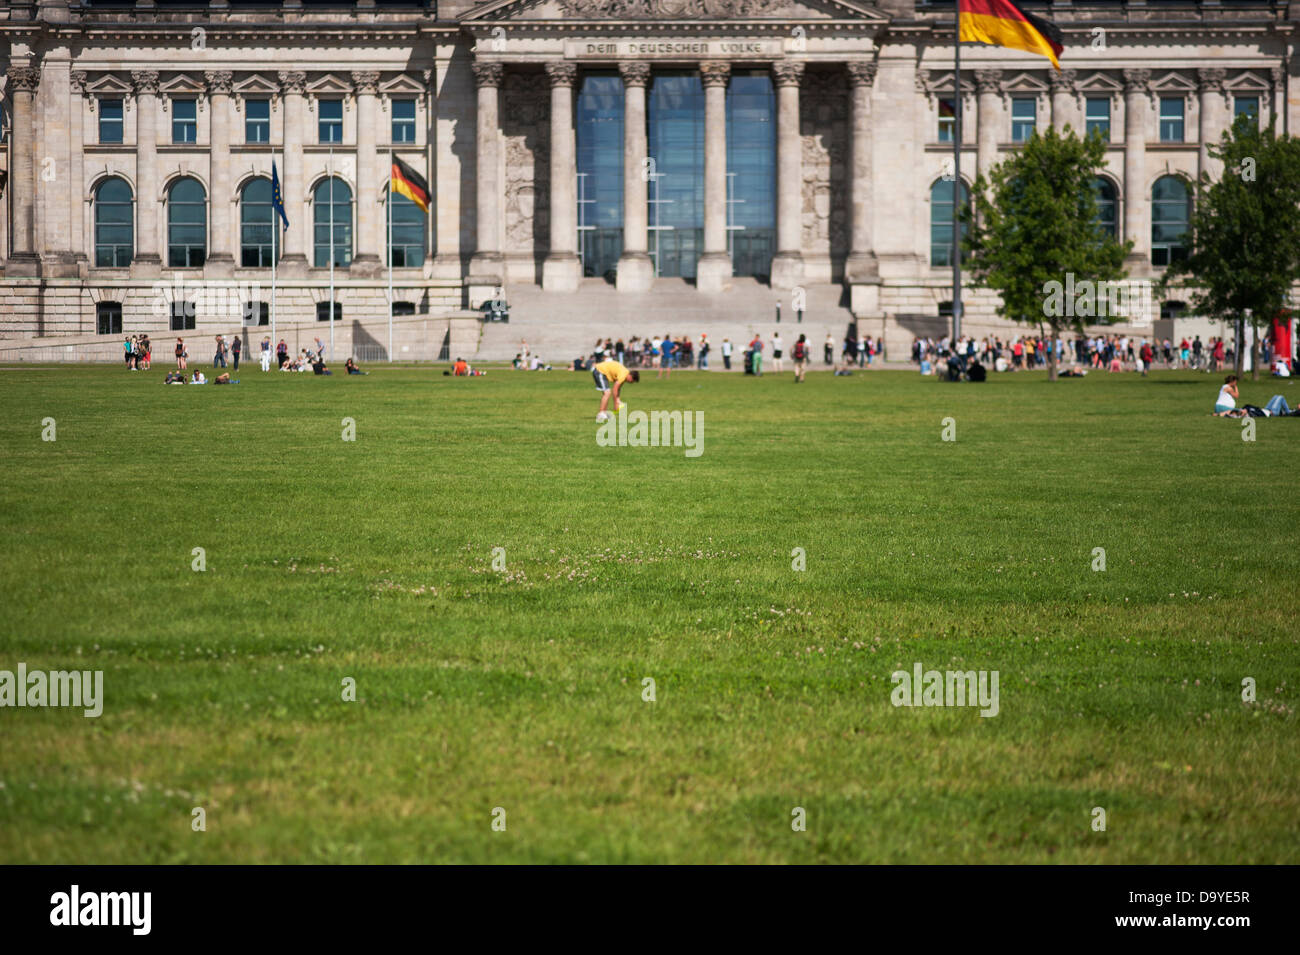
[1035, 222]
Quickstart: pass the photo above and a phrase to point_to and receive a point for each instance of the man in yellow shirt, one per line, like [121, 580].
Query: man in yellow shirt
[610, 376]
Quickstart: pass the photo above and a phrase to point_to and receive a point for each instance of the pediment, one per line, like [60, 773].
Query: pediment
[256, 85]
[182, 85]
[1173, 83]
[402, 85]
[1100, 83]
[109, 87]
[1024, 83]
[329, 85]
[499, 11]
[1248, 82]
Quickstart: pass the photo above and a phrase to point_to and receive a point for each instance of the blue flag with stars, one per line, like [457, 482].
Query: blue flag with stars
[277, 200]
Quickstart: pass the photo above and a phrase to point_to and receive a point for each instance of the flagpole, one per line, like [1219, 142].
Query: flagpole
[331, 252]
[956, 174]
[275, 254]
[388, 209]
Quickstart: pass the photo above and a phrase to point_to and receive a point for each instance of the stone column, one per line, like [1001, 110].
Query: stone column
[487, 267]
[23, 259]
[1137, 206]
[77, 165]
[372, 231]
[1065, 100]
[1213, 110]
[787, 264]
[635, 269]
[148, 204]
[293, 185]
[988, 88]
[861, 270]
[562, 270]
[221, 232]
[713, 271]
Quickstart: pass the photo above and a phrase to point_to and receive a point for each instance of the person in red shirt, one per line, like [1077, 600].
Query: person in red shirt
[1147, 356]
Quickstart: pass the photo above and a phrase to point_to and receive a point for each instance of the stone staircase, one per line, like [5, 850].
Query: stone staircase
[561, 326]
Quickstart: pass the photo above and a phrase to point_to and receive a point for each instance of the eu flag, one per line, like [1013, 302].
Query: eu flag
[277, 200]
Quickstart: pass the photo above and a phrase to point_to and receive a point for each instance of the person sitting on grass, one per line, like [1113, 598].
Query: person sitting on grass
[318, 367]
[352, 368]
[610, 376]
[1225, 406]
[198, 379]
[460, 368]
[224, 379]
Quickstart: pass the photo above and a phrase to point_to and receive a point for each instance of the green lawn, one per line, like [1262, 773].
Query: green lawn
[522, 689]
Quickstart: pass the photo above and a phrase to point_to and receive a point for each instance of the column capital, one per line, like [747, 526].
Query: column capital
[293, 81]
[1137, 81]
[1277, 74]
[715, 73]
[219, 81]
[144, 81]
[1211, 79]
[988, 81]
[79, 80]
[25, 78]
[561, 73]
[788, 72]
[1063, 81]
[366, 81]
[861, 73]
[487, 74]
[634, 72]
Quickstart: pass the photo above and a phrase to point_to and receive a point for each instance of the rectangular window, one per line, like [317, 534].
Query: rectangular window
[1246, 106]
[331, 120]
[403, 120]
[108, 318]
[185, 121]
[257, 121]
[1024, 117]
[1097, 117]
[183, 316]
[323, 312]
[1171, 119]
[110, 121]
[947, 120]
[403, 308]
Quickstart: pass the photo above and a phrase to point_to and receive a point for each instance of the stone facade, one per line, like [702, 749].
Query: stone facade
[857, 87]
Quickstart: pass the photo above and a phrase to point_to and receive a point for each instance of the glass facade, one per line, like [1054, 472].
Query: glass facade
[187, 225]
[337, 194]
[257, 121]
[1098, 116]
[675, 116]
[1107, 223]
[257, 232]
[751, 173]
[114, 224]
[599, 121]
[407, 230]
[941, 212]
[1171, 211]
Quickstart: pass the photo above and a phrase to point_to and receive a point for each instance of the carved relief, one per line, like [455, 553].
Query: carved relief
[824, 129]
[526, 131]
[670, 9]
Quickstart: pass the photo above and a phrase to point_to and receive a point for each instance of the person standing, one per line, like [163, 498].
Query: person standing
[266, 353]
[146, 352]
[666, 357]
[828, 350]
[1148, 356]
[180, 354]
[219, 356]
[800, 358]
[704, 352]
[756, 355]
[726, 354]
[126, 350]
[777, 352]
[282, 353]
[236, 347]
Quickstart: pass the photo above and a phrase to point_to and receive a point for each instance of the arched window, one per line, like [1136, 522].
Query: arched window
[407, 231]
[337, 195]
[1104, 190]
[941, 212]
[258, 236]
[1171, 210]
[187, 224]
[114, 224]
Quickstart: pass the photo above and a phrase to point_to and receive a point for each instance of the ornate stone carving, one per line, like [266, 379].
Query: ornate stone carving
[25, 78]
[1063, 81]
[561, 73]
[526, 133]
[988, 81]
[488, 74]
[145, 81]
[1137, 81]
[1276, 74]
[665, 9]
[824, 131]
[293, 81]
[79, 79]
[366, 81]
[787, 73]
[635, 73]
[219, 81]
[862, 73]
[1211, 79]
[715, 73]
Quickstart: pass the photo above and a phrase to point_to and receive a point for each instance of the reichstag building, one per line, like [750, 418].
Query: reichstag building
[568, 145]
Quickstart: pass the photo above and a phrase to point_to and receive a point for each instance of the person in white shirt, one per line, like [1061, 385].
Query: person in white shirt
[777, 352]
[726, 354]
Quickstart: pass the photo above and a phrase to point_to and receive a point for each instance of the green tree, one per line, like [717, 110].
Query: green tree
[1245, 231]
[1033, 231]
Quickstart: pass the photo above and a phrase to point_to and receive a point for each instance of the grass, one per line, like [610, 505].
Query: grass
[522, 689]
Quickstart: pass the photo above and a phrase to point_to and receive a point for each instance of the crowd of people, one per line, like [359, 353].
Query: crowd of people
[229, 351]
[1109, 353]
[669, 353]
[138, 351]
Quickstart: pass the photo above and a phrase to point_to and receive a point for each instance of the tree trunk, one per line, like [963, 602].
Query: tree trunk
[1238, 362]
[1053, 348]
[1254, 354]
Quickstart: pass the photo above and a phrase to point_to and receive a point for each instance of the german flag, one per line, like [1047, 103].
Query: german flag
[410, 184]
[1004, 23]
